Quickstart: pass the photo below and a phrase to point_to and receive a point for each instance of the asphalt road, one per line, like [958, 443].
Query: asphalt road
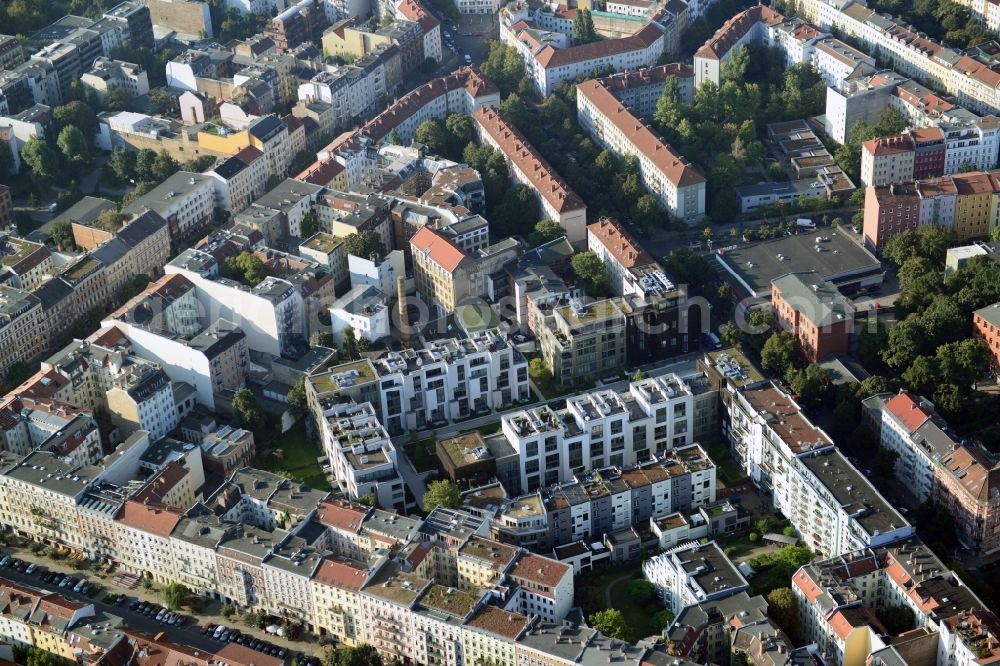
[188, 634]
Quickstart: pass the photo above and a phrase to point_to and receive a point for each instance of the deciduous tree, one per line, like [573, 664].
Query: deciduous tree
[589, 269]
[783, 608]
[609, 622]
[778, 352]
[442, 493]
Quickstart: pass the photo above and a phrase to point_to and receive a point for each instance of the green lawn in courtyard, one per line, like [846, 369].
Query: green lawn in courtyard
[298, 458]
[638, 615]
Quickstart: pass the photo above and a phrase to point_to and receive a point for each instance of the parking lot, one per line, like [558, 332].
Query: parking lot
[203, 632]
[471, 35]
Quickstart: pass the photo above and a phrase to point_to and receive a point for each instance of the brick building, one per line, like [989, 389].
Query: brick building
[812, 309]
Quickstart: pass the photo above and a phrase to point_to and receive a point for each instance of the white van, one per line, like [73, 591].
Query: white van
[805, 223]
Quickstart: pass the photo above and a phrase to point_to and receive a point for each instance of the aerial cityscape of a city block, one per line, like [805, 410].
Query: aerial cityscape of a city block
[499, 332]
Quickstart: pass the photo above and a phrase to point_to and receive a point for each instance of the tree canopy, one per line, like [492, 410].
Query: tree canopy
[545, 231]
[361, 655]
[245, 267]
[176, 595]
[590, 271]
[365, 244]
[609, 622]
[442, 493]
[583, 27]
[783, 608]
[778, 353]
[246, 412]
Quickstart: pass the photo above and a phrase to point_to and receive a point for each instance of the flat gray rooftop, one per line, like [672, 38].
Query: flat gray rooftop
[838, 258]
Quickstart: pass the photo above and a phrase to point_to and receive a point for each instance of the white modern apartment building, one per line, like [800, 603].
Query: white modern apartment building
[416, 388]
[907, 425]
[693, 573]
[271, 314]
[604, 428]
[365, 310]
[831, 505]
[361, 454]
[185, 200]
[673, 181]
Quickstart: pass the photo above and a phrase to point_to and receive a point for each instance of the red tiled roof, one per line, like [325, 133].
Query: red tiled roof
[543, 178]
[248, 155]
[674, 167]
[888, 145]
[153, 518]
[846, 620]
[321, 173]
[646, 76]
[973, 472]
[622, 247]
[342, 514]
[541, 570]
[442, 251]
[234, 654]
[161, 483]
[734, 29]
[551, 57]
[341, 573]
[414, 11]
[908, 411]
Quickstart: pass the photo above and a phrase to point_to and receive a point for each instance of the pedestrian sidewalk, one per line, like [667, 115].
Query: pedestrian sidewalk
[210, 612]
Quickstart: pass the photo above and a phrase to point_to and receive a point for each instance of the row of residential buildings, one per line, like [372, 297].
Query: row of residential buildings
[79, 632]
[968, 203]
[967, 74]
[948, 138]
[832, 506]
[939, 467]
[63, 52]
[541, 36]
[436, 586]
[843, 605]
[41, 302]
[611, 110]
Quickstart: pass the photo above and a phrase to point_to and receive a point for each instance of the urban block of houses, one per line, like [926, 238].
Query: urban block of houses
[557, 201]
[968, 203]
[673, 181]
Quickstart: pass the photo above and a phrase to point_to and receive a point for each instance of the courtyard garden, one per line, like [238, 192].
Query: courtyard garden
[294, 456]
